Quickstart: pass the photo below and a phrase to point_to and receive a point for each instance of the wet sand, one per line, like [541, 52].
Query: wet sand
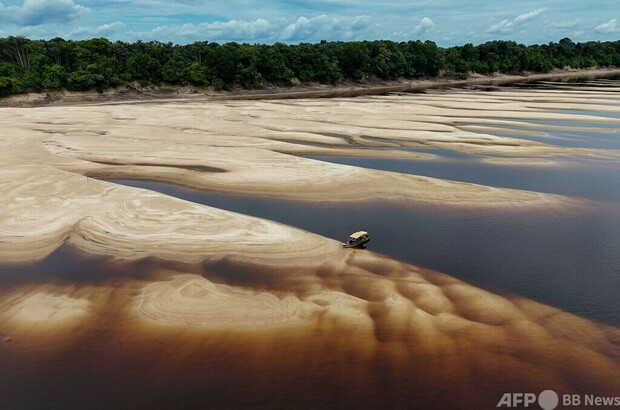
[359, 333]
[301, 320]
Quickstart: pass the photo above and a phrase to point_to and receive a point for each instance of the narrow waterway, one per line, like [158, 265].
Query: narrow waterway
[591, 177]
[569, 260]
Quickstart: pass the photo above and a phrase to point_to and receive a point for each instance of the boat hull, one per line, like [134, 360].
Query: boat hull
[355, 244]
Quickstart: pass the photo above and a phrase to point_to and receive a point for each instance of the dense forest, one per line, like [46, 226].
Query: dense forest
[35, 65]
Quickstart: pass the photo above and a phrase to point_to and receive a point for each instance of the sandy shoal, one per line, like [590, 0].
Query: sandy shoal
[249, 147]
[258, 147]
[243, 147]
[388, 311]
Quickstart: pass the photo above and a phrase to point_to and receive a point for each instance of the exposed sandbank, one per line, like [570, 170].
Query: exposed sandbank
[254, 148]
[391, 329]
[247, 148]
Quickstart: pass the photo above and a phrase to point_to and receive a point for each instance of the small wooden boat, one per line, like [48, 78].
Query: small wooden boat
[356, 239]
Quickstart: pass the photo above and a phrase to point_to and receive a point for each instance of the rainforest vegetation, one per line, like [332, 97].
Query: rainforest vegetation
[36, 65]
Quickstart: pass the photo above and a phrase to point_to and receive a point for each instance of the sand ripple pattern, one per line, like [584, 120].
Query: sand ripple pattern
[44, 308]
[194, 300]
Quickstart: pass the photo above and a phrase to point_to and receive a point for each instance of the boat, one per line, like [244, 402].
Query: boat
[356, 239]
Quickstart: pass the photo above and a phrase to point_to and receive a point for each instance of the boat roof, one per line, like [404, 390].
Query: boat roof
[357, 234]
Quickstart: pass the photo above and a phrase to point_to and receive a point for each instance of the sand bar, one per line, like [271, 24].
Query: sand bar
[305, 287]
[50, 154]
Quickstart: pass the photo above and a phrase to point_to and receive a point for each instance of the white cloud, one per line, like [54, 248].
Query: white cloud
[503, 27]
[233, 30]
[610, 27]
[238, 29]
[305, 28]
[101, 31]
[268, 21]
[324, 27]
[38, 12]
[506, 26]
[425, 25]
[528, 16]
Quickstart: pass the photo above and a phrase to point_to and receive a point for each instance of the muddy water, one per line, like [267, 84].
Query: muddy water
[112, 359]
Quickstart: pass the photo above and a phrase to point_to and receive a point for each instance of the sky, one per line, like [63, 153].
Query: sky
[446, 22]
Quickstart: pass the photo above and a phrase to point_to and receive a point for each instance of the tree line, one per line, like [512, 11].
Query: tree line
[35, 65]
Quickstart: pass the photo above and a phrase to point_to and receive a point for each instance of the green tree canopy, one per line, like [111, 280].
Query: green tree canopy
[99, 63]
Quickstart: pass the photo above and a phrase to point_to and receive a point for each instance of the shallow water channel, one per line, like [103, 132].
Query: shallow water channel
[591, 177]
[568, 259]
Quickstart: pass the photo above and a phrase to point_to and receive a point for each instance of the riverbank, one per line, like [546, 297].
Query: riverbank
[169, 93]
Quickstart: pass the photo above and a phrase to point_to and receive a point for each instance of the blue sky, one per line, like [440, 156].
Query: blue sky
[185, 21]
